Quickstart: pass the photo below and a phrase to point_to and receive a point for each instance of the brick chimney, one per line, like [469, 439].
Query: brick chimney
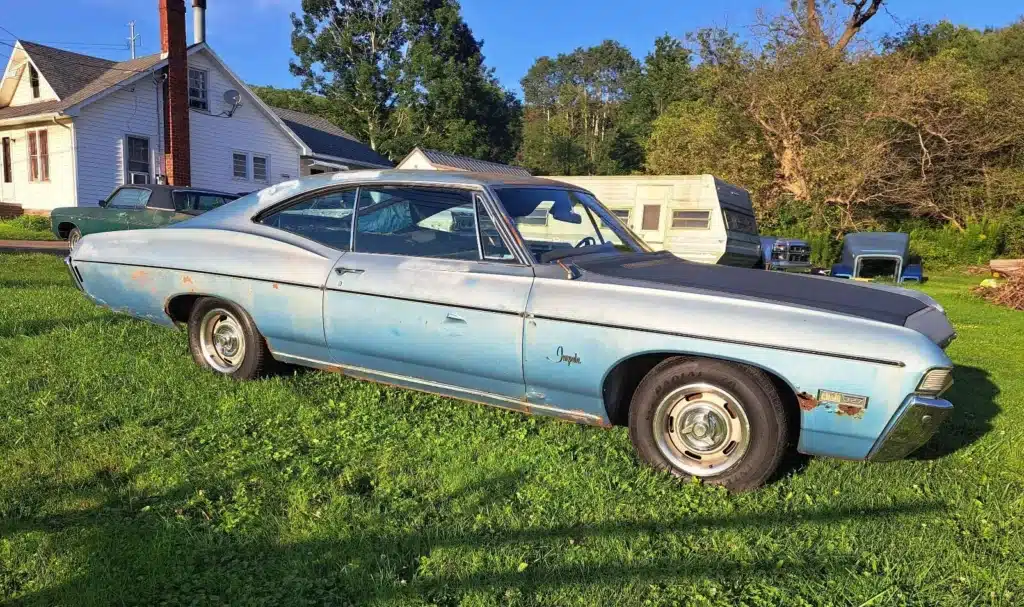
[177, 150]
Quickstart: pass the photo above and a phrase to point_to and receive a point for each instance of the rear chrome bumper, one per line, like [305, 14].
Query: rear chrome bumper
[75, 277]
[918, 420]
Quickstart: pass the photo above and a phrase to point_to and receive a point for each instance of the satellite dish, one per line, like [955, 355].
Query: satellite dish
[232, 97]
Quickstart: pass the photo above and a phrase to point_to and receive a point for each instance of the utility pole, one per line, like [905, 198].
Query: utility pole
[132, 37]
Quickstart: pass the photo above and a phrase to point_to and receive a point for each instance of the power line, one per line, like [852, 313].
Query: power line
[89, 44]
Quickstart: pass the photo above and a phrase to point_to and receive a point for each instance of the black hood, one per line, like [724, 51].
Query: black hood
[840, 296]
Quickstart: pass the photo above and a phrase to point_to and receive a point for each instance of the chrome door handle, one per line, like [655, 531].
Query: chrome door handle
[343, 271]
[453, 317]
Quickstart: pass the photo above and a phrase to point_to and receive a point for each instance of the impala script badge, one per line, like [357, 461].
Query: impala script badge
[568, 359]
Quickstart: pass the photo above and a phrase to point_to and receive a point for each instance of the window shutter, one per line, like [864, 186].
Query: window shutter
[33, 167]
[44, 156]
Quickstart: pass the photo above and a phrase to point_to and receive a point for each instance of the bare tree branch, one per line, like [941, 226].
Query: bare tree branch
[862, 13]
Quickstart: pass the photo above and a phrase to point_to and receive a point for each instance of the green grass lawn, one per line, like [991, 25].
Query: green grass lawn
[129, 476]
[26, 227]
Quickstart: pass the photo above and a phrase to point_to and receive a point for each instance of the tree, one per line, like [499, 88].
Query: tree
[573, 102]
[404, 73]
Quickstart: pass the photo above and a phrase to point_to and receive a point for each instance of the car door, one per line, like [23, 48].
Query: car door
[113, 215]
[423, 300]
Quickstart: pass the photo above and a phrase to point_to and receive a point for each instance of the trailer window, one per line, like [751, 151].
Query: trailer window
[739, 222]
[691, 220]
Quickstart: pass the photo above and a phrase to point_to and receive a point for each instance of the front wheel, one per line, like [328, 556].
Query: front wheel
[718, 421]
[224, 339]
[73, 237]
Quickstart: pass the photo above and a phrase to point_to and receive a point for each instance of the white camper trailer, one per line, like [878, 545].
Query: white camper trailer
[697, 217]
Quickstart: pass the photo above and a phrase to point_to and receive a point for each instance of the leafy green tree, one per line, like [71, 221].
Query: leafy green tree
[574, 102]
[403, 73]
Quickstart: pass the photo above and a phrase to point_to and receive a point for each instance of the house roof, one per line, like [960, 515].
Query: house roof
[465, 163]
[326, 139]
[75, 77]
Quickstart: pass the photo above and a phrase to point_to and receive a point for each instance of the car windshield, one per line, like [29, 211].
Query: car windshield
[556, 222]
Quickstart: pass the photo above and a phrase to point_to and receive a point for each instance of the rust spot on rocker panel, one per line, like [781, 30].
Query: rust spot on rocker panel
[806, 401]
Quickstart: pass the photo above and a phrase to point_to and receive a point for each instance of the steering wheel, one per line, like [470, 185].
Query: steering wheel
[588, 241]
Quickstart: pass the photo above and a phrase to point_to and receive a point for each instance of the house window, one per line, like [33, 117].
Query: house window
[622, 214]
[691, 220]
[8, 178]
[38, 156]
[652, 217]
[136, 159]
[33, 80]
[197, 90]
[240, 165]
[260, 168]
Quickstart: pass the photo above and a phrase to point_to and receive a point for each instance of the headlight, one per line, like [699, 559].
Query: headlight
[935, 382]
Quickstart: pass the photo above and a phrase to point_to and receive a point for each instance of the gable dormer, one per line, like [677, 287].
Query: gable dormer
[23, 82]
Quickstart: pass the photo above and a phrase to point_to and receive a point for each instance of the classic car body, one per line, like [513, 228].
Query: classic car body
[876, 255]
[539, 327]
[785, 254]
[135, 207]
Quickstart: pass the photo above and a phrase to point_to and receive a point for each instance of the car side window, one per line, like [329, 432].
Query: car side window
[326, 219]
[417, 222]
[129, 198]
[491, 244]
[209, 202]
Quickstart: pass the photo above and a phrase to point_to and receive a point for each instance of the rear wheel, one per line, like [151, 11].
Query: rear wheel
[73, 237]
[224, 339]
[718, 421]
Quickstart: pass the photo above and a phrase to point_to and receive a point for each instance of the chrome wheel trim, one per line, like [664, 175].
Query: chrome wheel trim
[701, 429]
[222, 341]
[73, 239]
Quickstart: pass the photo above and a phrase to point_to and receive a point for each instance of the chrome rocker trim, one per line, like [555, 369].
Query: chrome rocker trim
[432, 387]
[916, 422]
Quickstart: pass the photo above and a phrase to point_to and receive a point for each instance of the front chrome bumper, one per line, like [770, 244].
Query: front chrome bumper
[75, 276]
[918, 420]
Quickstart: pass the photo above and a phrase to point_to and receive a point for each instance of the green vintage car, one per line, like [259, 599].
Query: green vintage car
[135, 207]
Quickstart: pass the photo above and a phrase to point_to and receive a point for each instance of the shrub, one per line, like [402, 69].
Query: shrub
[950, 247]
[35, 223]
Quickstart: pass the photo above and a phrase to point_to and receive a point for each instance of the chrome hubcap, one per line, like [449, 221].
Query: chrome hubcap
[701, 429]
[221, 341]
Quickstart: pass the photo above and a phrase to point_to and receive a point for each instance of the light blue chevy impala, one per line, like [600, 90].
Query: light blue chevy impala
[529, 294]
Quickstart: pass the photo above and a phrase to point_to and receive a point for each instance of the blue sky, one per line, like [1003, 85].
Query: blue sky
[253, 36]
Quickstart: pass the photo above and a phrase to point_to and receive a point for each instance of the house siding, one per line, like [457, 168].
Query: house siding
[101, 129]
[40, 196]
[214, 139]
[23, 92]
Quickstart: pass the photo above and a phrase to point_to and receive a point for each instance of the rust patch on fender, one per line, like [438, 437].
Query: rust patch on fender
[186, 280]
[276, 286]
[806, 401]
[139, 274]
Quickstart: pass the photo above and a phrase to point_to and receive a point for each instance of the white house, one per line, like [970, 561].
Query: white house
[74, 127]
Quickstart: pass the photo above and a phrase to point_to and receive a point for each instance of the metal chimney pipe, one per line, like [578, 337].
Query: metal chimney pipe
[199, 21]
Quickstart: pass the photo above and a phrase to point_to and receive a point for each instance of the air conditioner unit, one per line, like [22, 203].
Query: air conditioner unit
[138, 178]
